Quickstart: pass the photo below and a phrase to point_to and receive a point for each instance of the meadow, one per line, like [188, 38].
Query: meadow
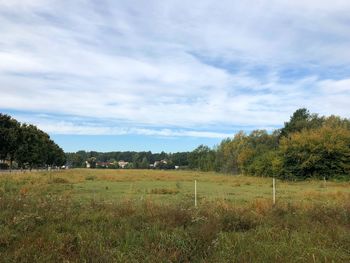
[89, 215]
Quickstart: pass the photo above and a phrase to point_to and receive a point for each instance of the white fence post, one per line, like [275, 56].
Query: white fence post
[273, 191]
[195, 193]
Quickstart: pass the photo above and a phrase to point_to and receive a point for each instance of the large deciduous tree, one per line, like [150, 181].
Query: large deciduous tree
[323, 152]
[27, 145]
[301, 119]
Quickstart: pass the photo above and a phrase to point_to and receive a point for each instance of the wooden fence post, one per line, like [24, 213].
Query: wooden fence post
[195, 193]
[273, 191]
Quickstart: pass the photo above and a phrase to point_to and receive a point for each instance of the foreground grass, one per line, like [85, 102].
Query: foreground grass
[56, 217]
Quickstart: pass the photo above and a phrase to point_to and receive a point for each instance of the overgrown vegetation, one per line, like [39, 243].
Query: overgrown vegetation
[42, 220]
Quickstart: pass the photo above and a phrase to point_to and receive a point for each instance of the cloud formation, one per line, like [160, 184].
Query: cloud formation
[172, 68]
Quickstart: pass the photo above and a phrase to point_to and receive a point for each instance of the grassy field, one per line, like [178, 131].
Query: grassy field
[91, 215]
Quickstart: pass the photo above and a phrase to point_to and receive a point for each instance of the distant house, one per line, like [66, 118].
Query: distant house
[157, 163]
[104, 164]
[122, 164]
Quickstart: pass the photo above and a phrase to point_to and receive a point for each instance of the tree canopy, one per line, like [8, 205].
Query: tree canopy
[27, 145]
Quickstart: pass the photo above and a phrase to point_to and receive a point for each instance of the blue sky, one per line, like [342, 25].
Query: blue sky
[170, 75]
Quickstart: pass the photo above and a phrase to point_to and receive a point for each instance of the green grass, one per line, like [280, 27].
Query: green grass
[114, 185]
[149, 216]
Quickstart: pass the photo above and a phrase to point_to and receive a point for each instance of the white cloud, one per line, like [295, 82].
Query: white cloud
[88, 128]
[172, 68]
[335, 86]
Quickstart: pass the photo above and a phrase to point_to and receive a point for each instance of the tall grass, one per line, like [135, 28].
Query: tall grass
[54, 228]
[41, 221]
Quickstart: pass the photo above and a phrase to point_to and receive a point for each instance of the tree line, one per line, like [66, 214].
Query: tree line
[25, 146]
[307, 146]
[137, 160]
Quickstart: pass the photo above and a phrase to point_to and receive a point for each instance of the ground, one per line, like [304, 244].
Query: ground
[88, 215]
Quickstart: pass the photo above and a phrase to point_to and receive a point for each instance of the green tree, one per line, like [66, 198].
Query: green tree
[301, 119]
[144, 163]
[179, 158]
[9, 142]
[55, 155]
[30, 152]
[202, 158]
[227, 153]
[323, 152]
[92, 162]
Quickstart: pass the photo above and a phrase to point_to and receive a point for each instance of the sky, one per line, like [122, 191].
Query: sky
[169, 75]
